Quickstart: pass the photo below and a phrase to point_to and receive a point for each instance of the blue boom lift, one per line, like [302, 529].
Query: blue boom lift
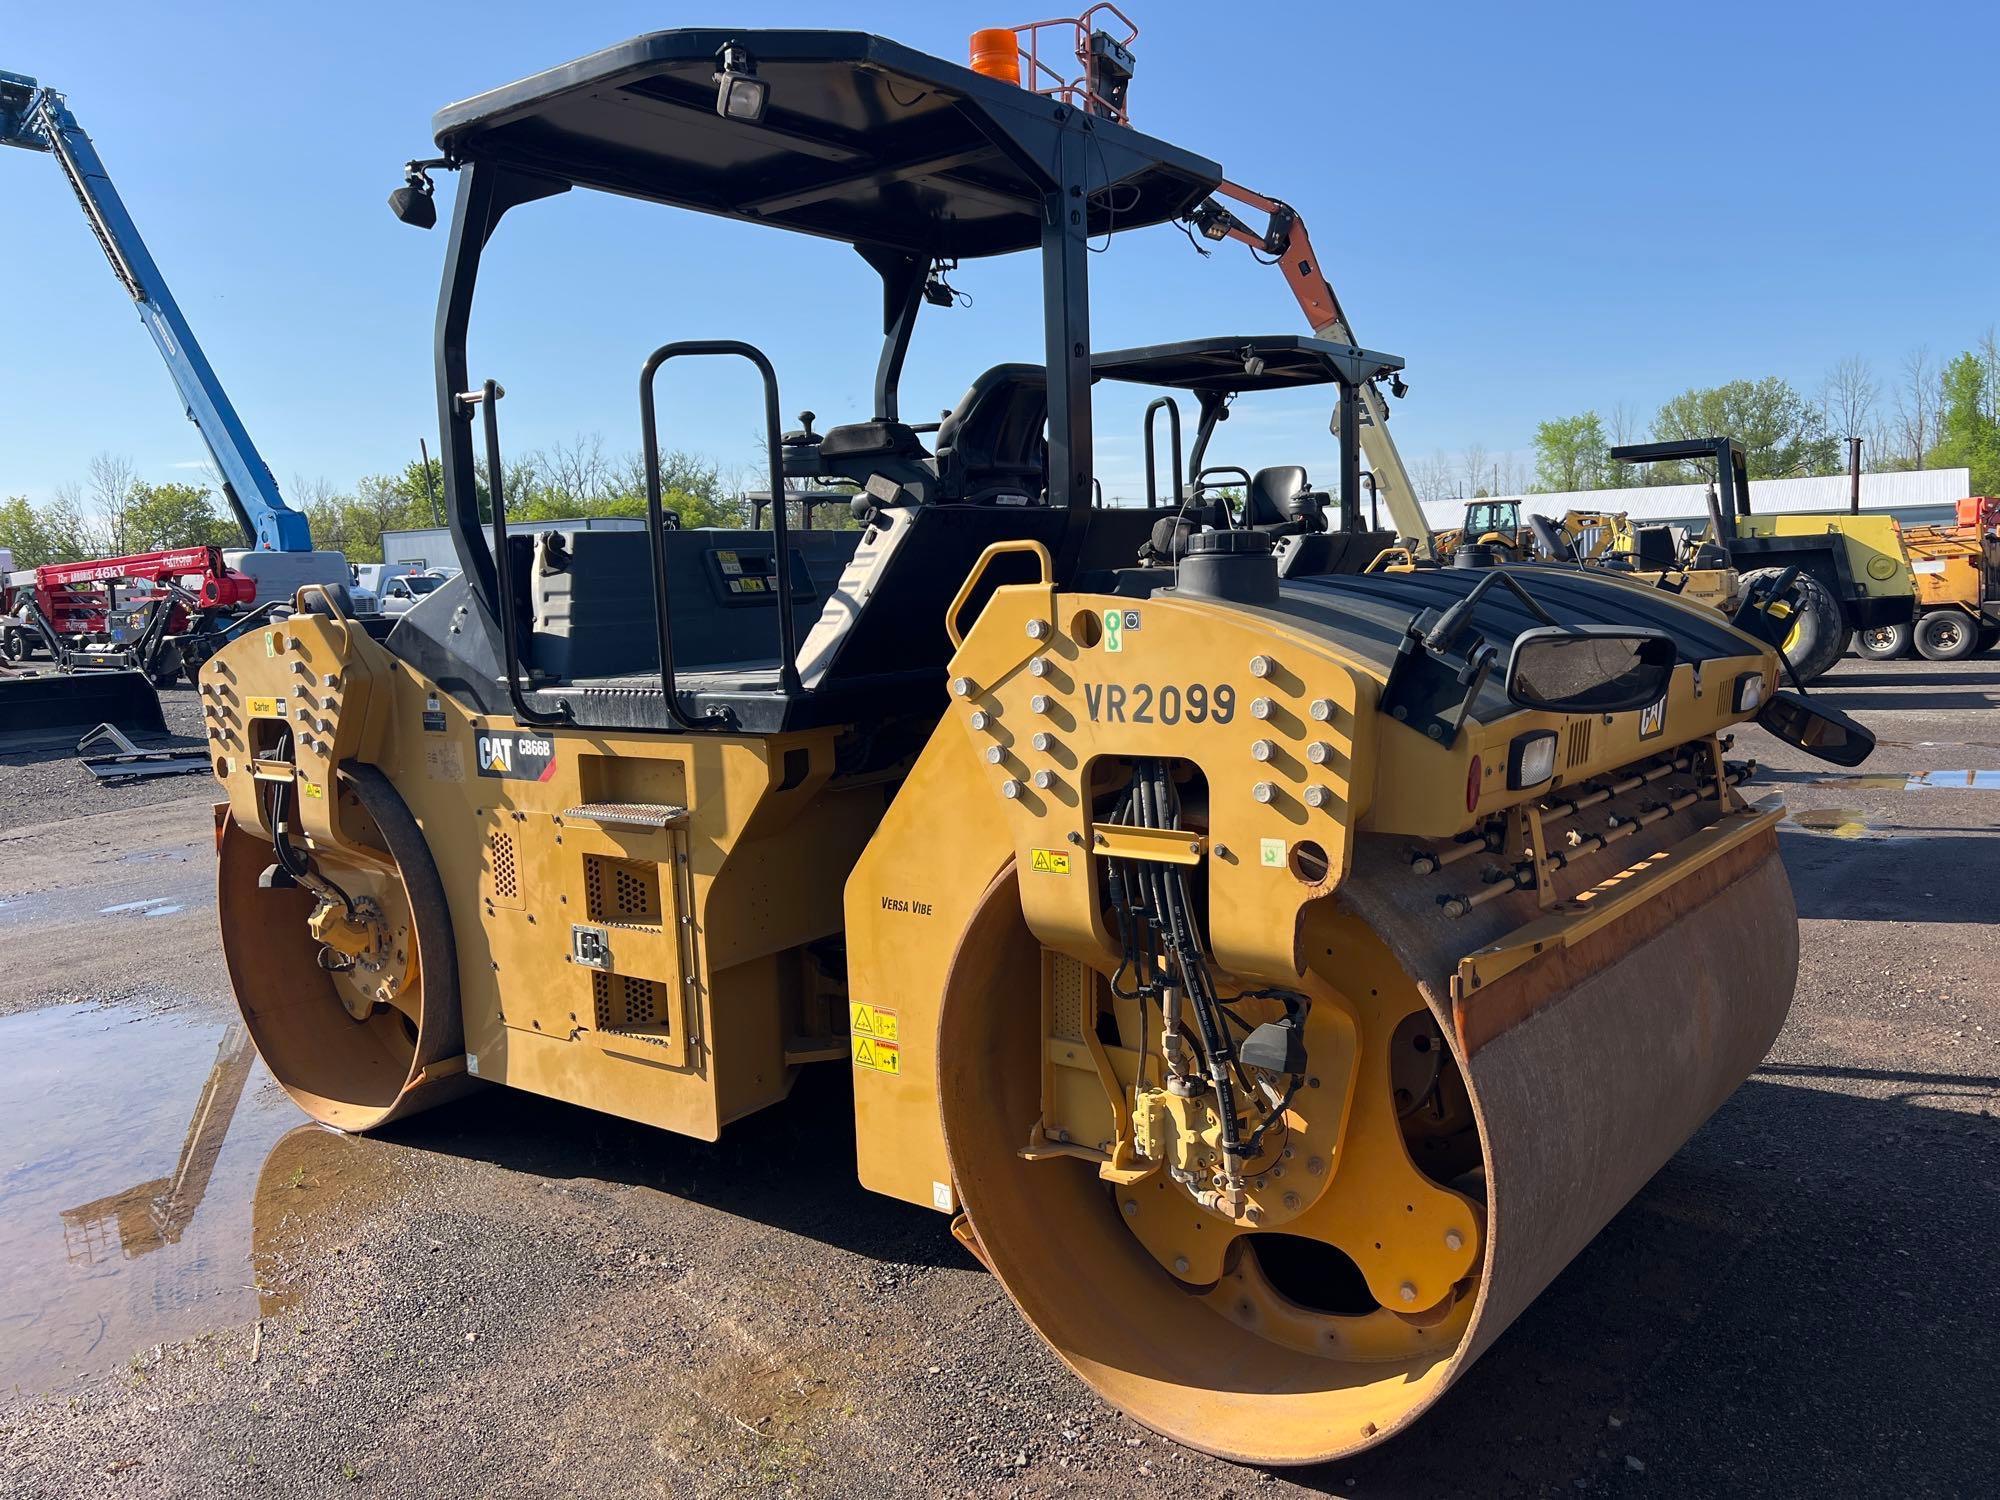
[39, 119]
[278, 551]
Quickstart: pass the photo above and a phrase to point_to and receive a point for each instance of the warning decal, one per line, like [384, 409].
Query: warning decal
[868, 1020]
[1049, 861]
[883, 1057]
[875, 1038]
[1271, 853]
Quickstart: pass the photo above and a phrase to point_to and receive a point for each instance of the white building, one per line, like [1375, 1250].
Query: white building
[1914, 498]
[431, 546]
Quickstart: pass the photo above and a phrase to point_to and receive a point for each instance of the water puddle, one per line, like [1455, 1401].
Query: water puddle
[153, 1186]
[1977, 781]
[1912, 781]
[1841, 822]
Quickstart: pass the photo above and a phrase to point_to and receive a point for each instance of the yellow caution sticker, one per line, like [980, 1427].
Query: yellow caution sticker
[261, 708]
[311, 790]
[881, 1056]
[1049, 861]
[872, 1020]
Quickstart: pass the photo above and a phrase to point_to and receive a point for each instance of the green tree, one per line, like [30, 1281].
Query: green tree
[1968, 432]
[25, 534]
[160, 516]
[1781, 432]
[1569, 454]
[38, 534]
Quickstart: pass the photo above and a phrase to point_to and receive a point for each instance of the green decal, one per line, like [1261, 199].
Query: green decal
[1114, 624]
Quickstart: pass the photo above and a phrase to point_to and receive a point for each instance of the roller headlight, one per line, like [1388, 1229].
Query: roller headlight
[1749, 693]
[1531, 759]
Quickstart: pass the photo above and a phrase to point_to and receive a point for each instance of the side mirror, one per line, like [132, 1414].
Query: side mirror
[1594, 669]
[1826, 733]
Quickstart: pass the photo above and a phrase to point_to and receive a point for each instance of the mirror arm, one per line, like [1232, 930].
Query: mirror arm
[1452, 621]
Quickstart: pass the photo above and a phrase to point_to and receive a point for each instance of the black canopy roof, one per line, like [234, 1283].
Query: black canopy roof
[1223, 364]
[863, 140]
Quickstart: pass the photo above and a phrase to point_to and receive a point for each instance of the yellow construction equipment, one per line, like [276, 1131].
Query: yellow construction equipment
[1957, 573]
[1275, 981]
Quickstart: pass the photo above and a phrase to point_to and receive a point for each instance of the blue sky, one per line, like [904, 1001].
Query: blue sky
[1543, 209]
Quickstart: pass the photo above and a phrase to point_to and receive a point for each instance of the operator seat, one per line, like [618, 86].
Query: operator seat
[1280, 497]
[991, 447]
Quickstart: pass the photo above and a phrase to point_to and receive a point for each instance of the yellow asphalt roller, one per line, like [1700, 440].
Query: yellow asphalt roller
[1274, 973]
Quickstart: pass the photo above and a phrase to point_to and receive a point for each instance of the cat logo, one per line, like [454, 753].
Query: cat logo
[1653, 720]
[518, 757]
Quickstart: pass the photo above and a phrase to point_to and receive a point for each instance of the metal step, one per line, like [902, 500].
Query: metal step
[629, 814]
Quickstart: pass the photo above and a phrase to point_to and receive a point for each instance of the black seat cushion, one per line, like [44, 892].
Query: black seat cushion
[991, 445]
[1274, 496]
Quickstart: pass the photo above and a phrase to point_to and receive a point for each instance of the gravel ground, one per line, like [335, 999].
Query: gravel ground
[48, 788]
[515, 1297]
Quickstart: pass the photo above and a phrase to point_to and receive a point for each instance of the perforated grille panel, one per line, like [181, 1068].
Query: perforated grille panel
[1066, 981]
[621, 890]
[1576, 744]
[500, 858]
[623, 1003]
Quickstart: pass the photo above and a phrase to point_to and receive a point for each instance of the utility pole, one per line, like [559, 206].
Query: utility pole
[1854, 476]
[430, 486]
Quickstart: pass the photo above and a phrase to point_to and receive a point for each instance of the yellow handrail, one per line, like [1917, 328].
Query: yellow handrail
[978, 571]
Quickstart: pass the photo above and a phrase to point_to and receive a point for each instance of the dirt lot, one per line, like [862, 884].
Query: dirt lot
[514, 1297]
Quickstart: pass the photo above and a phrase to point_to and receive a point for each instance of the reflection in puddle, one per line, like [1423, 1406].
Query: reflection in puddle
[153, 1182]
[1978, 781]
[1841, 822]
[1912, 781]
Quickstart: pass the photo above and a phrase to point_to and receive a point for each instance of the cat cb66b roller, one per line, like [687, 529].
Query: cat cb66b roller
[1274, 972]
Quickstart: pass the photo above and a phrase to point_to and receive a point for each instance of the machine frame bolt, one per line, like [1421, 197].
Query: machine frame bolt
[1039, 667]
[1407, 1291]
[961, 687]
[1263, 791]
[995, 754]
[981, 719]
[1042, 740]
[1180, 1265]
[1322, 709]
[1038, 630]
[1292, 1201]
[1319, 752]
[1039, 703]
[1261, 666]
[1044, 780]
[1011, 789]
[1318, 796]
[1262, 749]
[1453, 1240]
[1261, 708]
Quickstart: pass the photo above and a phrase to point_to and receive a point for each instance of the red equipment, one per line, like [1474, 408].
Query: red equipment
[78, 597]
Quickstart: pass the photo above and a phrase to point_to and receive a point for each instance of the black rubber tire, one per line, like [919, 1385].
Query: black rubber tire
[1946, 635]
[1884, 642]
[1817, 634]
[1989, 637]
[14, 644]
[165, 670]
